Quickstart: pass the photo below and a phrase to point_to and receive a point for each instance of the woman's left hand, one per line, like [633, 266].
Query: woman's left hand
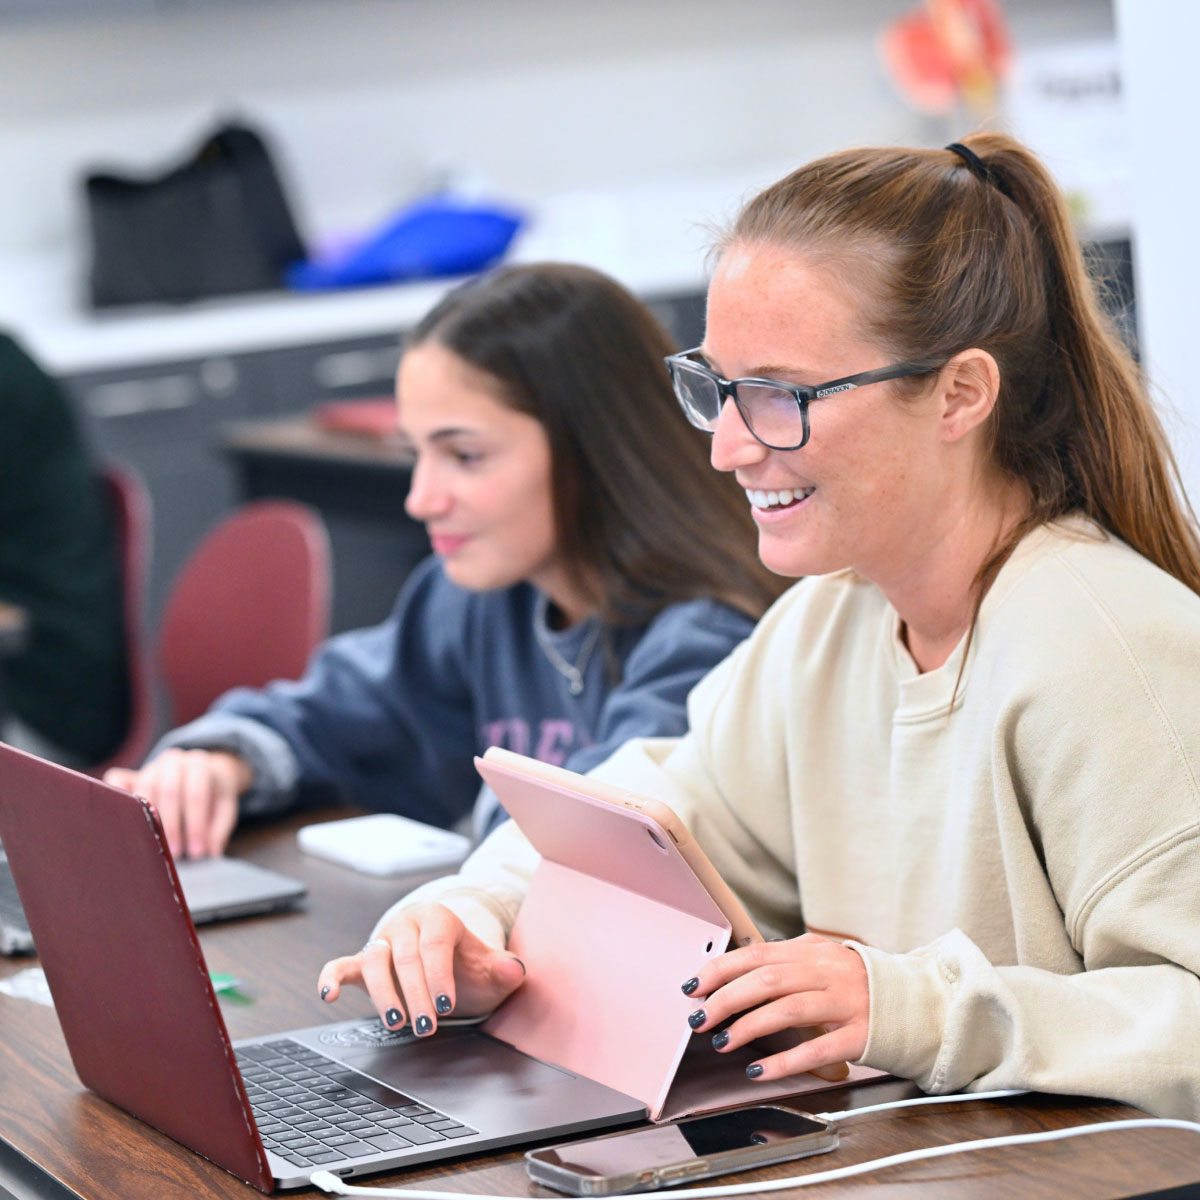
[808, 981]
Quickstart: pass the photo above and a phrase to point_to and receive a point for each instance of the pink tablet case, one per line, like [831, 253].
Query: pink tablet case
[613, 923]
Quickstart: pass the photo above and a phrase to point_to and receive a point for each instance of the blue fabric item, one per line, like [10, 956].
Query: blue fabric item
[433, 237]
[390, 717]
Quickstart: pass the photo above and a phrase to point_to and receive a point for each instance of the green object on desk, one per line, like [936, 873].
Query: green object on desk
[228, 986]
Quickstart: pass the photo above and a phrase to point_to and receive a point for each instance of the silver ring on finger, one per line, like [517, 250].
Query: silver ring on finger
[376, 942]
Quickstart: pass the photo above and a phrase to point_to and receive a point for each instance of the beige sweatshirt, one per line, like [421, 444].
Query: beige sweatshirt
[1021, 874]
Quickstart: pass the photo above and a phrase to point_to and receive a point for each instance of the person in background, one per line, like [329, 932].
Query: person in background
[65, 692]
[956, 766]
[587, 571]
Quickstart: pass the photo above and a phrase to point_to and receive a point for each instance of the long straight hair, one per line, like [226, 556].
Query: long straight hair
[637, 507]
[944, 258]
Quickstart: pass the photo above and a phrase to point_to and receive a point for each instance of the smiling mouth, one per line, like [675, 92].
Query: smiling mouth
[775, 501]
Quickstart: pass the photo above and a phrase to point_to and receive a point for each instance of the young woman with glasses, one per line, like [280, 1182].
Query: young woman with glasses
[587, 571]
[957, 765]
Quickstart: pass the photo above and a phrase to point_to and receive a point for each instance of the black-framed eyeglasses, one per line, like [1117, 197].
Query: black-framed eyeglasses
[776, 413]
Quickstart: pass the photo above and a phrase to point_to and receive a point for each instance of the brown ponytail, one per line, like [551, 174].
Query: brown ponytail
[948, 257]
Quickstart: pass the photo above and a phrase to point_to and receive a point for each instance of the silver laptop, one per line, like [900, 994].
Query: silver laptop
[349, 1098]
[214, 888]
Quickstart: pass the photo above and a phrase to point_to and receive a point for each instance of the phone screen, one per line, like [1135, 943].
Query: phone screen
[662, 1145]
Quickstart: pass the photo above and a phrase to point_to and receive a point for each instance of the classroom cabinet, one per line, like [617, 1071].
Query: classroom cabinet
[164, 420]
[306, 375]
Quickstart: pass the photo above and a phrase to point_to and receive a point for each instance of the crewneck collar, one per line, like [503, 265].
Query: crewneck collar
[923, 696]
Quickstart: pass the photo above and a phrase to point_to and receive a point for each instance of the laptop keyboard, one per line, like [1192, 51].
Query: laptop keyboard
[311, 1110]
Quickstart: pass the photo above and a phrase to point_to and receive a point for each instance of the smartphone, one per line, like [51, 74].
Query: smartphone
[679, 1151]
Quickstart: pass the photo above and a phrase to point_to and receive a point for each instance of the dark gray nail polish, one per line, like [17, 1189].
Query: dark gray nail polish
[424, 1025]
[697, 1018]
[393, 1016]
[443, 1004]
[692, 984]
[325, 991]
[754, 1070]
[721, 1040]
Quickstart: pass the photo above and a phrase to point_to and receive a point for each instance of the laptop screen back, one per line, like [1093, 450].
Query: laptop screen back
[129, 982]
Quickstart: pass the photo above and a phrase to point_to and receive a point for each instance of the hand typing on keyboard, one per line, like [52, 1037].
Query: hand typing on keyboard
[196, 794]
[424, 963]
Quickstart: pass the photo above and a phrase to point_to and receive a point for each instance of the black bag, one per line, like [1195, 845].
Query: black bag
[216, 225]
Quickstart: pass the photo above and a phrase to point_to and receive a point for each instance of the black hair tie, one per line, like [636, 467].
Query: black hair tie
[978, 167]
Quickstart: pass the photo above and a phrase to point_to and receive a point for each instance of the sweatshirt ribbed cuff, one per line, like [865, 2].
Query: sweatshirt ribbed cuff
[910, 996]
[273, 766]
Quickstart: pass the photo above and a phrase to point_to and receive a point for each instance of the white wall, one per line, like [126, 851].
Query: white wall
[366, 97]
[1158, 40]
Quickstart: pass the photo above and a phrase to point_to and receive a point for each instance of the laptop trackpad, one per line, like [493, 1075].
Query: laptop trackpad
[446, 1072]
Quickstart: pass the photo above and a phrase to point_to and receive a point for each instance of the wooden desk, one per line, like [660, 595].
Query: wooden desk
[358, 484]
[63, 1142]
[302, 438]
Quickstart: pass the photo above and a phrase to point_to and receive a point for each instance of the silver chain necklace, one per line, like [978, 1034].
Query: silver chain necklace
[571, 672]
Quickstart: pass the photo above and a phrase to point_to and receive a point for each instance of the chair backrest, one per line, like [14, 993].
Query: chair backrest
[249, 605]
[132, 524]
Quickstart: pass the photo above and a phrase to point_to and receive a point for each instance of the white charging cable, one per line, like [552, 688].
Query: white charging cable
[919, 1101]
[328, 1182]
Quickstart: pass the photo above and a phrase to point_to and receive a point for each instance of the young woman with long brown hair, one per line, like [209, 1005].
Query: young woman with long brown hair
[587, 570]
[957, 765]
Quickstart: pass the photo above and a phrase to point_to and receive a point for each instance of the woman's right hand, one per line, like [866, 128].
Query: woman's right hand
[196, 794]
[424, 963]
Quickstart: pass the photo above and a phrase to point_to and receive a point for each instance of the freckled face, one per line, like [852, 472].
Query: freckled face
[482, 480]
[872, 477]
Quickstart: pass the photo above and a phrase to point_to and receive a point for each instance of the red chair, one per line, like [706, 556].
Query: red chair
[249, 605]
[132, 523]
